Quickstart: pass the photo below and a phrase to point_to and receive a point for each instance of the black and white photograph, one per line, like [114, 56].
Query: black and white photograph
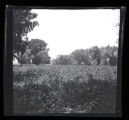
[65, 61]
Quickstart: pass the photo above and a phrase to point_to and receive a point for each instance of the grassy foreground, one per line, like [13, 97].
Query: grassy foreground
[64, 89]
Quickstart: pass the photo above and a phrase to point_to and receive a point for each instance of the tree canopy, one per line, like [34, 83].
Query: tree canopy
[22, 24]
[80, 56]
[93, 56]
[37, 45]
[43, 57]
[63, 60]
[37, 52]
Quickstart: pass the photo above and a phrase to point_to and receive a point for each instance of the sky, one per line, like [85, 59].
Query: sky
[67, 30]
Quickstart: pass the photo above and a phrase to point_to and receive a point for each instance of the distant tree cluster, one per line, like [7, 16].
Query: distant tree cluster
[35, 53]
[93, 56]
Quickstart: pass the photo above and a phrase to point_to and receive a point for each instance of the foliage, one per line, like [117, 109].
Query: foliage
[36, 52]
[26, 57]
[93, 56]
[80, 56]
[37, 45]
[22, 24]
[62, 60]
[110, 53]
[64, 89]
[42, 57]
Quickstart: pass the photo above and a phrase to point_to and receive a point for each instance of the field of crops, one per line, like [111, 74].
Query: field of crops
[64, 89]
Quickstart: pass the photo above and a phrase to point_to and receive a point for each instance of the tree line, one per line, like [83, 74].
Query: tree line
[36, 51]
[93, 56]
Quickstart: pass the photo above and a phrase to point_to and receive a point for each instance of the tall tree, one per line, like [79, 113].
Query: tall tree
[22, 24]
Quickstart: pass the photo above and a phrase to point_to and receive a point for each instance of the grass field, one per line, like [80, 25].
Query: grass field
[64, 89]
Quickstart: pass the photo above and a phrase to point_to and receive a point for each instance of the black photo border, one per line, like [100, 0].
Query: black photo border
[7, 58]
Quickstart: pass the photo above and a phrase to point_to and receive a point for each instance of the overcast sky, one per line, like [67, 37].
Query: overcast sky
[67, 30]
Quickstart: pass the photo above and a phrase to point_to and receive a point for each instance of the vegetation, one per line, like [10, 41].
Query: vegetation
[64, 89]
[36, 53]
[22, 24]
[84, 81]
[93, 56]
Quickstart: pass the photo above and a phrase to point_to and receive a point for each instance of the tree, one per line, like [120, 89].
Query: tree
[39, 51]
[26, 57]
[113, 56]
[109, 55]
[42, 57]
[22, 24]
[95, 55]
[62, 60]
[80, 56]
[37, 45]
